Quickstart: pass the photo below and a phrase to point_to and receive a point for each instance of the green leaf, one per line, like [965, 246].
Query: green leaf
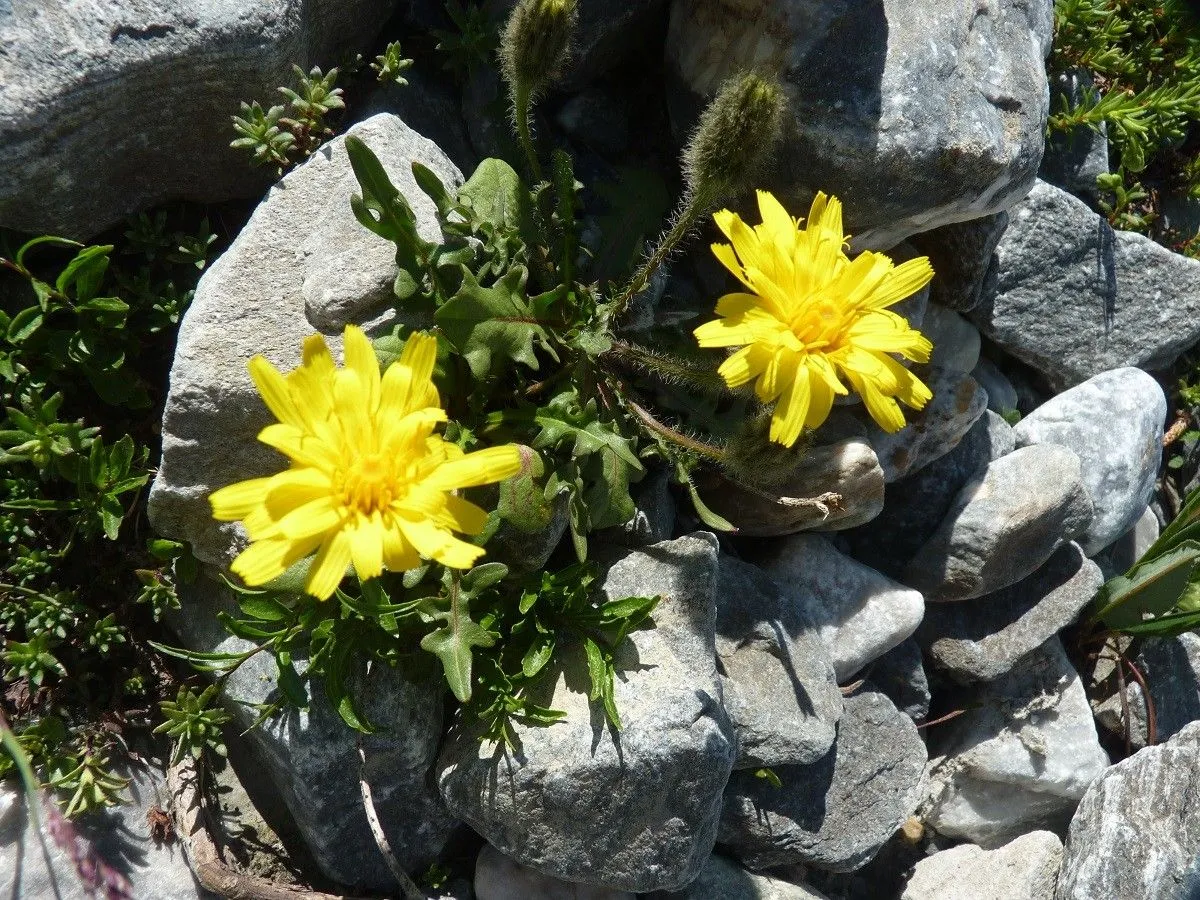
[38, 241]
[540, 652]
[85, 272]
[452, 645]
[490, 326]
[597, 668]
[266, 608]
[706, 515]
[24, 324]
[563, 421]
[482, 577]
[382, 208]
[495, 194]
[1150, 589]
[428, 181]
[607, 495]
[523, 501]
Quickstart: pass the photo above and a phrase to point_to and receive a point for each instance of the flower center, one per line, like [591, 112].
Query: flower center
[370, 484]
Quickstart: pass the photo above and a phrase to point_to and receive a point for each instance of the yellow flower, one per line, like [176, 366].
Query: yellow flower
[815, 316]
[370, 483]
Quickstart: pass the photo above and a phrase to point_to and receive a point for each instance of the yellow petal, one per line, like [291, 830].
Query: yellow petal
[350, 405]
[317, 517]
[265, 561]
[274, 390]
[725, 255]
[439, 544]
[366, 547]
[821, 401]
[329, 568]
[478, 468]
[294, 488]
[298, 445]
[235, 502]
[399, 555]
[787, 420]
[360, 357]
[903, 281]
[408, 382]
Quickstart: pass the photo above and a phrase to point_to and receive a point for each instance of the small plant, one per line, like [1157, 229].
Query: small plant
[390, 66]
[281, 141]
[193, 723]
[473, 41]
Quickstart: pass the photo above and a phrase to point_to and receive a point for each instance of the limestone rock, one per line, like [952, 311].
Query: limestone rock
[916, 114]
[982, 639]
[961, 254]
[1119, 556]
[837, 813]
[311, 756]
[94, 97]
[1024, 869]
[900, 676]
[574, 801]
[1136, 833]
[848, 468]
[955, 340]
[1003, 525]
[1020, 758]
[723, 879]
[1109, 298]
[930, 434]
[499, 878]
[1002, 396]
[302, 263]
[858, 613]
[121, 836]
[780, 691]
[1114, 423]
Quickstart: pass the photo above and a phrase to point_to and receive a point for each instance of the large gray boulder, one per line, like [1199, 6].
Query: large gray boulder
[1073, 298]
[1114, 423]
[916, 114]
[1136, 833]
[633, 810]
[1019, 758]
[839, 812]
[303, 263]
[1003, 525]
[499, 878]
[108, 108]
[311, 759]
[780, 690]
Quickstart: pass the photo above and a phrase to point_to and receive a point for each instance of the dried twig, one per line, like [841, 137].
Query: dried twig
[187, 807]
[407, 886]
[825, 504]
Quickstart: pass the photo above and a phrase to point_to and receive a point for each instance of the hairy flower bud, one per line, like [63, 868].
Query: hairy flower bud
[536, 43]
[735, 136]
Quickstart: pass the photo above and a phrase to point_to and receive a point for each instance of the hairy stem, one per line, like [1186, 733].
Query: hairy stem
[708, 451]
[668, 368]
[522, 112]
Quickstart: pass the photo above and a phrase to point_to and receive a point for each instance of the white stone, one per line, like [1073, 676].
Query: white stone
[858, 613]
[1025, 869]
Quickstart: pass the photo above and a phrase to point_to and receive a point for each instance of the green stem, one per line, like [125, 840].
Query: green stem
[522, 103]
[668, 368]
[692, 207]
[708, 451]
[32, 796]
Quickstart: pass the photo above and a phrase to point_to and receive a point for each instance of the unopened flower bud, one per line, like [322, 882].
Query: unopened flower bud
[536, 43]
[735, 136]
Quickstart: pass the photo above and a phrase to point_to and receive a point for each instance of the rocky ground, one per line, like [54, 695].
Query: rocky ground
[906, 667]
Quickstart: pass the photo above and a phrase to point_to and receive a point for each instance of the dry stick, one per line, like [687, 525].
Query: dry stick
[407, 886]
[825, 504]
[187, 810]
[945, 718]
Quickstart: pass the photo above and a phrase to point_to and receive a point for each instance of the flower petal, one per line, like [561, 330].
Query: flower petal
[329, 568]
[439, 544]
[478, 468]
[361, 359]
[235, 502]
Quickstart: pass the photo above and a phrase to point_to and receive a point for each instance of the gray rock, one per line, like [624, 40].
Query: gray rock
[955, 340]
[654, 520]
[900, 676]
[764, 647]
[1136, 833]
[1002, 396]
[1020, 758]
[1108, 299]
[272, 288]
[1024, 869]
[312, 759]
[499, 878]
[1114, 424]
[573, 801]
[93, 97]
[1003, 525]
[1074, 159]
[916, 114]
[837, 813]
[916, 505]
[957, 404]
[120, 836]
[848, 468]
[1119, 556]
[982, 639]
[858, 613]
[1124, 721]
[722, 879]
[961, 254]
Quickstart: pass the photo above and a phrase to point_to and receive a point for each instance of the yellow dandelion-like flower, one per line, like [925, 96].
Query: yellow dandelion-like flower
[370, 482]
[815, 316]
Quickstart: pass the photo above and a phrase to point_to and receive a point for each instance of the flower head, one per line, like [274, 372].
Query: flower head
[813, 317]
[370, 482]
